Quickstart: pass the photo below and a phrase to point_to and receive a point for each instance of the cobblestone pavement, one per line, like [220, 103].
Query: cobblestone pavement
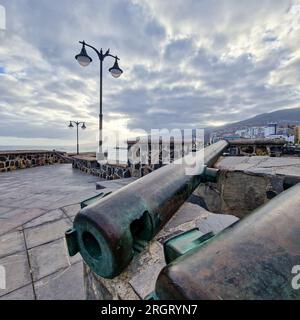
[37, 205]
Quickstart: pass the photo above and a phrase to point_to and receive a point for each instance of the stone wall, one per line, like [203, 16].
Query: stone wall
[104, 171]
[258, 147]
[87, 163]
[238, 193]
[245, 183]
[13, 160]
[140, 170]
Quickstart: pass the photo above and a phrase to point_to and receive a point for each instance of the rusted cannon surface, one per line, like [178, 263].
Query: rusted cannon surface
[253, 259]
[108, 232]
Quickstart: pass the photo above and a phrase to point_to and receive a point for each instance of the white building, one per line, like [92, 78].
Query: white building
[282, 136]
[251, 132]
[242, 133]
[271, 130]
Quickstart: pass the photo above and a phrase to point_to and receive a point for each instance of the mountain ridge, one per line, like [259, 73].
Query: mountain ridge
[283, 116]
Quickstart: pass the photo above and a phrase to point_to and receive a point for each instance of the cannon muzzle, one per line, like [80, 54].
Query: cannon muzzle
[108, 232]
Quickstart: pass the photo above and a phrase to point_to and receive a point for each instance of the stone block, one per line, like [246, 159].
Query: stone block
[25, 293]
[71, 210]
[4, 211]
[66, 284]
[215, 223]
[18, 217]
[50, 258]
[46, 232]
[47, 217]
[144, 283]
[11, 243]
[17, 272]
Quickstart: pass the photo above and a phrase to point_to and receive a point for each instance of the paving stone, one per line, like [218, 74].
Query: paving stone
[75, 259]
[50, 258]
[72, 210]
[66, 284]
[47, 217]
[5, 210]
[216, 223]
[13, 213]
[18, 218]
[25, 293]
[17, 271]
[46, 232]
[76, 198]
[11, 243]
[25, 198]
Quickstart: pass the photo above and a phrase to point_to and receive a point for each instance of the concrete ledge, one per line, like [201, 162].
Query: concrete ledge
[245, 183]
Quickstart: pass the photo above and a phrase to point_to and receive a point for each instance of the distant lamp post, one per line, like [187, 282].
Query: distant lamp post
[84, 60]
[82, 127]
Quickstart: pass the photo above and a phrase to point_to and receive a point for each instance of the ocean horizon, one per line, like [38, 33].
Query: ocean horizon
[113, 154]
[48, 147]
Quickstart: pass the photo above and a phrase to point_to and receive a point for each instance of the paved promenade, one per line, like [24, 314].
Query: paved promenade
[37, 205]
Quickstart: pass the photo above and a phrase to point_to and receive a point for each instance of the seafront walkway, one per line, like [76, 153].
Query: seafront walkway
[37, 205]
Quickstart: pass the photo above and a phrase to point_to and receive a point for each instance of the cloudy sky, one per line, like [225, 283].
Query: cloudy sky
[187, 63]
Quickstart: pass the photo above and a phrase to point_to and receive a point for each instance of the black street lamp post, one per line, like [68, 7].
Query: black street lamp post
[84, 60]
[82, 127]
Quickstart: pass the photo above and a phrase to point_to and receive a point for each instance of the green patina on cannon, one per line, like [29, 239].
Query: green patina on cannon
[250, 260]
[109, 231]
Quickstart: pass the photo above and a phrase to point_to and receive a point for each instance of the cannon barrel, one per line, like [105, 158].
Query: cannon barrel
[254, 258]
[108, 232]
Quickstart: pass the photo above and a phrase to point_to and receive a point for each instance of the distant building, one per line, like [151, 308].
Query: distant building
[231, 137]
[251, 132]
[258, 132]
[277, 136]
[297, 134]
[214, 138]
[271, 129]
[290, 139]
[243, 133]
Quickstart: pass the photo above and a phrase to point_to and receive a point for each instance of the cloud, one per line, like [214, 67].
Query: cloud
[186, 64]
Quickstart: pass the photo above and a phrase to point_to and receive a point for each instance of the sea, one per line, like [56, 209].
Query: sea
[45, 147]
[113, 154]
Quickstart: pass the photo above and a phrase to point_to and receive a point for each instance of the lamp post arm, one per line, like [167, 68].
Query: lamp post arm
[110, 55]
[96, 50]
[100, 54]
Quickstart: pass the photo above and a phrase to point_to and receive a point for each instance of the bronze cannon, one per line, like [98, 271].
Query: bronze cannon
[255, 258]
[108, 232]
